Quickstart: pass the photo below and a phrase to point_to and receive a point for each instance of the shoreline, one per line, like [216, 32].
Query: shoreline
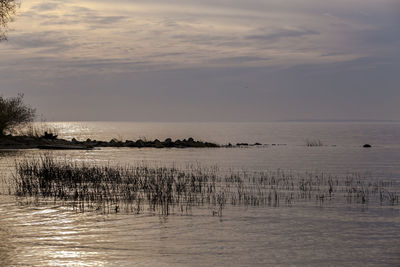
[52, 142]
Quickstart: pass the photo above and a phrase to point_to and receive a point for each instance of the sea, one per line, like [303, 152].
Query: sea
[335, 233]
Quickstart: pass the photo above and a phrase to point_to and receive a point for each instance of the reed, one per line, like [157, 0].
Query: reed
[313, 142]
[170, 190]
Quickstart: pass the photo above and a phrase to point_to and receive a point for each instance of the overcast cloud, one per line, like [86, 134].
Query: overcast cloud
[195, 60]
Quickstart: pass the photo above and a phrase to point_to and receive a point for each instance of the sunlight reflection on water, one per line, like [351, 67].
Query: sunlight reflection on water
[308, 234]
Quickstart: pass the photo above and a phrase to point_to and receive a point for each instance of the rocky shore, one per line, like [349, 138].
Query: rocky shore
[52, 142]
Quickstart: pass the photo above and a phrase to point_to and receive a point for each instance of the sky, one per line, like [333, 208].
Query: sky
[203, 60]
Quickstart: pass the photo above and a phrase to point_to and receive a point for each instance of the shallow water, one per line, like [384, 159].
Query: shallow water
[336, 233]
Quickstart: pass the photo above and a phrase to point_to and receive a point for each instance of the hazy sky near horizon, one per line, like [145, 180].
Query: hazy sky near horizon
[202, 60]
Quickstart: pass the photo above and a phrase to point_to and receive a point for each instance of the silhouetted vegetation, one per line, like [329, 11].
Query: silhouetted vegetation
[167, 190]
[313, 142]
[7, 11]
[14, 112]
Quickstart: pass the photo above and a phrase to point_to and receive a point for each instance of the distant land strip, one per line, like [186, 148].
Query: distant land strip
[50, 141]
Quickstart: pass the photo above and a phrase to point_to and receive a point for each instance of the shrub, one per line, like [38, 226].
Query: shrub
[14, 112]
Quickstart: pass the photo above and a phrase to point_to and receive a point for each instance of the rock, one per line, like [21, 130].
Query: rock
[178, 143]
[130, 143]
[158, 144]
[49, 136]
[23, 142]
[242, 144]
[207, 144]
[168, 142]
[140, 143]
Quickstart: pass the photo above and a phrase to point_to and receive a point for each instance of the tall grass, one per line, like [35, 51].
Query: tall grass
[170, 190]
[313, 142]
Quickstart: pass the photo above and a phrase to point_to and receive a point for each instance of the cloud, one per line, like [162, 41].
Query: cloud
[238, 60]
[207, 39]
[284, 33]
[49, 6]
[42, 40]
[86, 36]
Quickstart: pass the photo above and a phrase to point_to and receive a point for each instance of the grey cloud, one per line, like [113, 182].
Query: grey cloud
[145, 60]
[237, 60]
[104, 20]
[90, 16]
[80, 9]
[207, 39]
[46, 6]
[161, 55]
[45, 39]
[283, 34]
[228, 94]
[94, 21]
[387, 35]
[73, 16]
[48, 67]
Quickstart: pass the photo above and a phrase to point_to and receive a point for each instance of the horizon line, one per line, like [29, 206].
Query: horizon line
[272, 121]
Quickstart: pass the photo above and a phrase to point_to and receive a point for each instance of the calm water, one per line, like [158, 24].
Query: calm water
[305, 234]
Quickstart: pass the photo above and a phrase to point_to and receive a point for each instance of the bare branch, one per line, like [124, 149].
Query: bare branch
[7, 11]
